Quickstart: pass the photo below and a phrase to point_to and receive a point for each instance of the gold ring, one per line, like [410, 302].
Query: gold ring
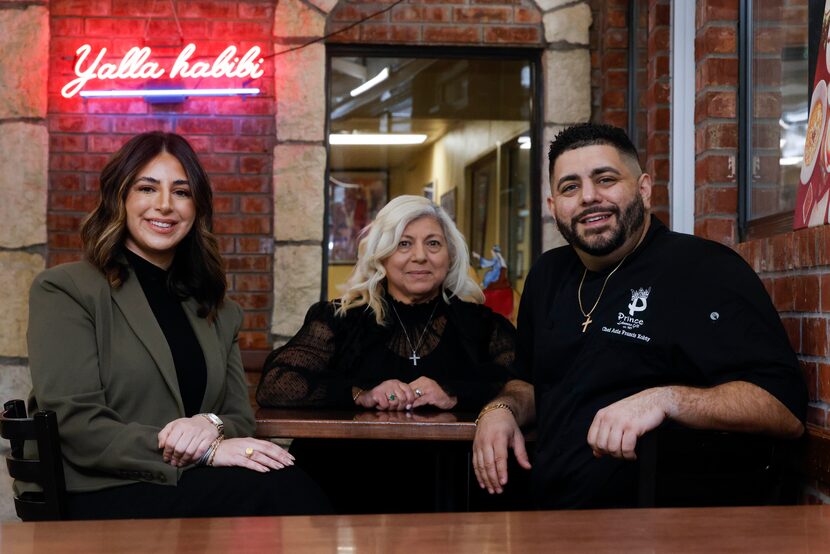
[249, 452]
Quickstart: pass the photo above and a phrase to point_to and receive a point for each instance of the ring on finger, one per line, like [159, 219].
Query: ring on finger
[249, 452]
[419, 393]
[392, 397]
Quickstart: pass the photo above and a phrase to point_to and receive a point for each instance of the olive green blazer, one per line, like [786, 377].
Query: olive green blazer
[100, 360]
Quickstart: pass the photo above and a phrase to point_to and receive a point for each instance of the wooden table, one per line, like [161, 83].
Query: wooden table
[371, 424]
[452, 465]
[800, 529]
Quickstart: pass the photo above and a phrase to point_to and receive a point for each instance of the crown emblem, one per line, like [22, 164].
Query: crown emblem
[640, 294]
[639, 299]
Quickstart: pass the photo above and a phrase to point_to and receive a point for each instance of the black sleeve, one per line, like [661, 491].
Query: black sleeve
[731, 331]
[523, 366]
[495, 370]
[301, 373]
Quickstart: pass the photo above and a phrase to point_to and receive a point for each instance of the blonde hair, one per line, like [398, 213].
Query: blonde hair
[380, 240]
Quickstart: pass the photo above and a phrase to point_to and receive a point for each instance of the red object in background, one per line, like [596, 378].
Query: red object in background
[811, 206]
[500, 301]
[499, 296]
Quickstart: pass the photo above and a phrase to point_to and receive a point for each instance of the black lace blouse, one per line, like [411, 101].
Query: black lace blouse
[465, 348]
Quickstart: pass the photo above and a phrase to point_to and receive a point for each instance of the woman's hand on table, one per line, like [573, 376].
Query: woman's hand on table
[429, 393]
[184, 440]
[389, 395]
[251, 453]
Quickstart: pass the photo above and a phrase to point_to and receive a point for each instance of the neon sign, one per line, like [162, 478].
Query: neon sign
[136, 64]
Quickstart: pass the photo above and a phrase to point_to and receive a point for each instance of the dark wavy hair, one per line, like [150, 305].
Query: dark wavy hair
[197, 269]
[591, 134]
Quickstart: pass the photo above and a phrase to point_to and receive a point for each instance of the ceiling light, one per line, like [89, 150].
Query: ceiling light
[380, 139]
[380, 77]
[149, 93]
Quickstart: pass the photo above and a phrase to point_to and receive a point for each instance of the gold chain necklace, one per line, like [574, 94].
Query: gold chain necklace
[588, 319]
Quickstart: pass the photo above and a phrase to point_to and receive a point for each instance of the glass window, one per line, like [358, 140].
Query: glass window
[457, 130]
[778, 83]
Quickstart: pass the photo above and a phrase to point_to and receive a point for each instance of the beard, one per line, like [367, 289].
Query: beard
[632, 218]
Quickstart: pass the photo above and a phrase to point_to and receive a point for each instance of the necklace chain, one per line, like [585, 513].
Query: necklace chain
[588, 319]
[414, 349]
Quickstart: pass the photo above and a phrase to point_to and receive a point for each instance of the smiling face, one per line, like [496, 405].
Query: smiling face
[417, 268]
[599, 203]
[160, 210]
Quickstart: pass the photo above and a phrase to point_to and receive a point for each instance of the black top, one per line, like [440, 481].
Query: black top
[188, 358]
[466, 348]
[680, 310]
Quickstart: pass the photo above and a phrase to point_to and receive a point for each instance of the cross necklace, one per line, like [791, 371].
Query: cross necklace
[415, 357]
[588, 319]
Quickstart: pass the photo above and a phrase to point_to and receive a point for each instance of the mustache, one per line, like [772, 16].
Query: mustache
[595, 210]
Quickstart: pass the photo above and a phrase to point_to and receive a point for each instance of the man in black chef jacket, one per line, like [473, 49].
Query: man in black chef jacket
[627, 326]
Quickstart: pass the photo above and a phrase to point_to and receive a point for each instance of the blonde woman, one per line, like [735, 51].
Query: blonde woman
[410, 333]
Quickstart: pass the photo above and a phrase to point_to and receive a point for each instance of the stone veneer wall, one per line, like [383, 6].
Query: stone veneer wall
[24, 35]
[560, 27]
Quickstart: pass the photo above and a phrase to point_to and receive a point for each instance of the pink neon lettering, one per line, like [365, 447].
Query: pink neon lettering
[134, 65]
[222, 66]
[74, 86]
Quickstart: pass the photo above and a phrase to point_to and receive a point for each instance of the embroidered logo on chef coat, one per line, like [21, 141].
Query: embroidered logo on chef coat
[628, 322]
[639, 301]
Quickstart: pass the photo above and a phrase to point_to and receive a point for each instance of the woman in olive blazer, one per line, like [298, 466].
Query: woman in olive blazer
[107, 370]
[136, 351]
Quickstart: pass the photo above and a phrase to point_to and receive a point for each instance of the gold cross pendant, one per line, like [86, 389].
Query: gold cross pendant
[587, 322]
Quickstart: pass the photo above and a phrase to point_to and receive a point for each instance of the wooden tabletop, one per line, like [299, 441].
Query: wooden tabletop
[371, 424]
[800, 529]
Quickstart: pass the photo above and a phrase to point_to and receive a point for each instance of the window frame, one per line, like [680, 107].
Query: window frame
[780, 223]
[531, 55]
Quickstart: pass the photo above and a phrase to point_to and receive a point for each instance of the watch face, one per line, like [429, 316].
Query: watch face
[213, 418]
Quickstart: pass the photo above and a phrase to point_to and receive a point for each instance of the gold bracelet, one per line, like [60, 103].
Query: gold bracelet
[214, 449]
[496, 406]
[357, 395]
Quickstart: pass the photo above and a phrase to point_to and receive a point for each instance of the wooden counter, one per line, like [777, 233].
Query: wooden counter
[800, 529]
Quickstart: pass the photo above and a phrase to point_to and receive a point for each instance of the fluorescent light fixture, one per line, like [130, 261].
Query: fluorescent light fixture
[379, 78]
[169, 92]
[524, 143]
[791, 160]
[375, 139]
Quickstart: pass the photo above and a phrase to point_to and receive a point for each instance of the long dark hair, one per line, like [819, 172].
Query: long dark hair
[196, 270]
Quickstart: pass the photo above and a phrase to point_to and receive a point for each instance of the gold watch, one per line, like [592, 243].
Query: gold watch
[214, 419]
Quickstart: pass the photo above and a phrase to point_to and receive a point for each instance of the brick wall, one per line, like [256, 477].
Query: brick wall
[609, 83]
[795, 268]
[453, 22]
[716, 137]
[658, 94]
[609, 62]
[233, 136]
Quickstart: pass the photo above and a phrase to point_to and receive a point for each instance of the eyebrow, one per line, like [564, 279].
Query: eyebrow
[594, 173]
[433, 235]
[156, 181]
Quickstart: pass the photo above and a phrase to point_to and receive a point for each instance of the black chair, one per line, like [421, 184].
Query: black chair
[47, 471]
[688, 467]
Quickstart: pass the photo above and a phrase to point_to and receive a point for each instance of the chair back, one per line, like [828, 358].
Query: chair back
[682, 467]
[46, 471]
